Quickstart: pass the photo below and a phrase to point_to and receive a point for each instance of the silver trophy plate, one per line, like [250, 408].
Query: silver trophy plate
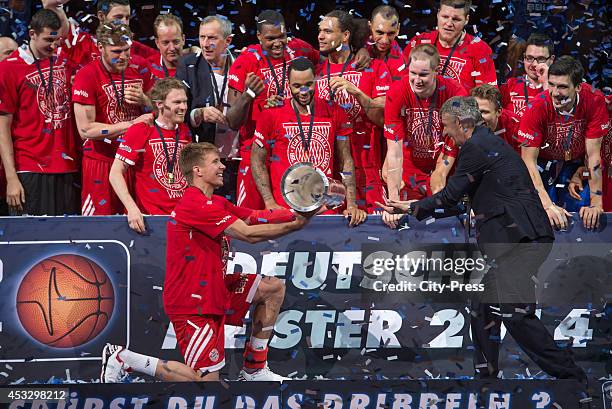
[306, 188]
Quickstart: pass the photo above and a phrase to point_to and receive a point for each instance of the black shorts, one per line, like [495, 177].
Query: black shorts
[50, 194]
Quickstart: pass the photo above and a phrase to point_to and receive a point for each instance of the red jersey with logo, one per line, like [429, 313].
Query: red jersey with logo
[471, 63]
[518, 93]
[143, 148]
[196, 254]
[396, 62]
[93, 86]
[279, 133]
[158, 69]
[407, 119]
[254, 60]
[42, 130]
[82, 48]
[554, 133]
[374, 82]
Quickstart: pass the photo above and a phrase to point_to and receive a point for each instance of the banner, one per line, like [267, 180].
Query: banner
[336, 321]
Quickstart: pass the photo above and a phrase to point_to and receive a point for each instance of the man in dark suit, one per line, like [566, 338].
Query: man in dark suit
[512, 231]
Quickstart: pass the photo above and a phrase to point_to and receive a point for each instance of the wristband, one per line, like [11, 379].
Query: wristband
[251, 93]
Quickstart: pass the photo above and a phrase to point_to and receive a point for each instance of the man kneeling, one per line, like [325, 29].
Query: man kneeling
[199, 296]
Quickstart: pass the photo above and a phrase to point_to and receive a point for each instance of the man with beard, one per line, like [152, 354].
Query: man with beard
[417, 163]
[513, 233]
[362, 96]
[153, 151]
[463, 57]
[37, 141]
[304, 129]
[169, 39]
[109, 97]
[564, 126]
[257, 80]
[384, 27]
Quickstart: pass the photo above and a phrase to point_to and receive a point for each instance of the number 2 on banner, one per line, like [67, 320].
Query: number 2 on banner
[448, 338]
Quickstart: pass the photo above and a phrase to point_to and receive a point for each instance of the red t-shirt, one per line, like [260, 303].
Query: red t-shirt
[471, 64]
[407, 120]
[279, 133]
[513, 94]
[196, 254]
[82, 48]
[143, 148]
[542, 127]
[92, 86]
[253, 60]
[396, 62]
[374, 82]
[42, 130]
[156, 67]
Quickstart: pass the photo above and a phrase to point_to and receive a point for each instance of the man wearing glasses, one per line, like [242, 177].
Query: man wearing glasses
[519, 92]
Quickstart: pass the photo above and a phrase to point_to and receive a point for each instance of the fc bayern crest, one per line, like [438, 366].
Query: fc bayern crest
[348, 102]
[423, 144]
[319, 152]
[160, 168]
[454, 68]
[125, 112]
[52, 102]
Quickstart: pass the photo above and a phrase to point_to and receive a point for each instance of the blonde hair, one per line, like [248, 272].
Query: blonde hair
[193, 154]
[113, 34]
[167, 20]
[162, 88]
[426, 52]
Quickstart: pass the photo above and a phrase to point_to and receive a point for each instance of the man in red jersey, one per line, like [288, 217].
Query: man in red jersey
[463, 57]
[519, 92]
[169, 39]
[362, 96]
[37, 139]
[413, 129]
[384, 27]
[200, 296]
[109, 97]
[7, 46]
[562, 125]
[267, 61]
[501, 121]
[158, 181]
[81, 47]
[304, 129]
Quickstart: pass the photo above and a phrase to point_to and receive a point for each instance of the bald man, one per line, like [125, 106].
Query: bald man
[7, 46]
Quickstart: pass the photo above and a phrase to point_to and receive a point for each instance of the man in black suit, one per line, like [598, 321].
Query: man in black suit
[512, 231]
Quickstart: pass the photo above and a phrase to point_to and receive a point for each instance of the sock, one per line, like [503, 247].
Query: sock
[258, 344]
[254, 359]
[138, 362]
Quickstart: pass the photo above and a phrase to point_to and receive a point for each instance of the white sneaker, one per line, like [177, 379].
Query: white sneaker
[113, 369]
[264, 374]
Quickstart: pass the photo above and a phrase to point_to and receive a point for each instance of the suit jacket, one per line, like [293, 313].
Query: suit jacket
[194, 71]
[506, 204]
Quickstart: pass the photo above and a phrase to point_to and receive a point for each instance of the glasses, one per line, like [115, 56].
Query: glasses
[531, 58]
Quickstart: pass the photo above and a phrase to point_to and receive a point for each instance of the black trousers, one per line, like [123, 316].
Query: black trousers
[49, 194]
[509, 297]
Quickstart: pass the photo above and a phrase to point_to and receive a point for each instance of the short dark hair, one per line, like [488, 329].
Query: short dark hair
[106, 5]
[357, 27]
[45, 18]
[458, 4]
[388, 12]
[541, 40]
[269, 17]
[488, 92]
[300, 64]
[567, 65]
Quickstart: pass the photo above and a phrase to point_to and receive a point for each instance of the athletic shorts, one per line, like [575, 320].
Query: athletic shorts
[97, 195]
[201, 338]
[51, 194]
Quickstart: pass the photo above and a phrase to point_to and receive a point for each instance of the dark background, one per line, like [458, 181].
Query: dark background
[578, 28]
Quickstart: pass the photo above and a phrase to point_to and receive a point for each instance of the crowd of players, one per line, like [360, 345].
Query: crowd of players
[94, 125]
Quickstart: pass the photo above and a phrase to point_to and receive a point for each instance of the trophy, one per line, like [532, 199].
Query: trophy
[306, 188]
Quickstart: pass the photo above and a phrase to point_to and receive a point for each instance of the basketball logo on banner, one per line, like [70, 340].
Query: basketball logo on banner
[65, 300]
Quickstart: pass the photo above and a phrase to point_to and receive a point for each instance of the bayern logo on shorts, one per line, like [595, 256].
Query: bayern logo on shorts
[214, 355]
[319, 150]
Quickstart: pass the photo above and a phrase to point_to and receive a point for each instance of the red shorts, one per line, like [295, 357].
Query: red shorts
[606, 182]
[201, 338]
[97, 195]
[247, 194]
